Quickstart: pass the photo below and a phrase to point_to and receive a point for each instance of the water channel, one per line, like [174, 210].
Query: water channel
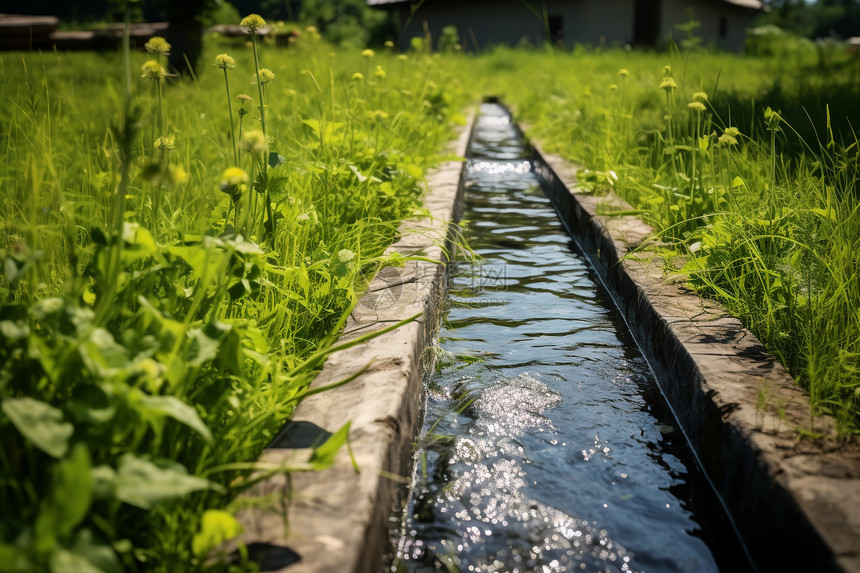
[546, 444]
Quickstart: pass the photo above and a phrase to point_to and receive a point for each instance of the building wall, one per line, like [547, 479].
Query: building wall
[592, 22]
[709, 13]
[606, 22]
[505, 22]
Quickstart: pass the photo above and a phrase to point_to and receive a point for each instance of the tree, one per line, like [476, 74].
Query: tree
[185, 32]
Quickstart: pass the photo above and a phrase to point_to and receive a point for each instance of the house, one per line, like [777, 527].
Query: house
[640, 23]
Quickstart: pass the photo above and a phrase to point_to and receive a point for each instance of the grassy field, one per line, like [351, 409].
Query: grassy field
[167, 296]
[178, 259]
[746, 167]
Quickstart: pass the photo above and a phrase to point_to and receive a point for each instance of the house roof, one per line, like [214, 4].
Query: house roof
[753, 4]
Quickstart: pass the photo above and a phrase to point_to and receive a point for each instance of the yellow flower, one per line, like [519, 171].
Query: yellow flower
[253, 141]
[379, 73]
[165, 143]
[367, 53]
[696, 105]
[667, 70]
[357, 76]
[668, 84]
[235, 176]
[732, 132]
[623, 72]
[266, 75]
[152, 70]
[176, 175]
[700, 96]
[233, 182]
[613, 87]
[158, 46]
[224, 62]
[253, 22]
[727, 140]
[389, 44]
[402, 57]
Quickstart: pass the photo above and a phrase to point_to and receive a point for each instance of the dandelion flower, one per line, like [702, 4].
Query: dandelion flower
[700, 96]
[235, 176]
[623, 72]
[165, 143]
[379, 73]
[368, 53]
[727, 140]
[668, 84]
[265, 76]
[152, 70]
[176, 175]
[357, 76]
[732, 132]
[254, 141]
[696, 105]
[772, 119]
[233, 181]
[389, 44]
[224, 62]
[378, 115]
[253, 22]
[402, 57]
[613, 87]
[667, 70]
[158, 46]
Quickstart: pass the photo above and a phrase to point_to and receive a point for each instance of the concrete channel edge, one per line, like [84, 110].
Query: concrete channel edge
[795, 500]
[337, 520]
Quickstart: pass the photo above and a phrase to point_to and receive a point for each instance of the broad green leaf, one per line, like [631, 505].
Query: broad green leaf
[323, 456]
[102, 355]
[91, 404]
[139, 243]
[204, 345]
[40, 423]
[72, 489]
[195, 257]
[85, 556]
[414, 171]
[14, 560]
[829, 214]
[738, 182]
[14, 330]
[175, 408]
[144, 484]
[216, 527]
[104, 482]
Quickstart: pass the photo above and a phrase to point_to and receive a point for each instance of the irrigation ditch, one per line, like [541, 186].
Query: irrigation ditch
[795, 501]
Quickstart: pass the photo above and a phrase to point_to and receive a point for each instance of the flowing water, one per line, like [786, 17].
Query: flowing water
[547, 445]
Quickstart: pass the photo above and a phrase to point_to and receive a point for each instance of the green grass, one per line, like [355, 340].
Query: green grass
[163, 309]
[763, 218]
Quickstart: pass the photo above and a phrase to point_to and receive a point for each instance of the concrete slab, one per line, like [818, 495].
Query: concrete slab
[795, 500]
[337, 520]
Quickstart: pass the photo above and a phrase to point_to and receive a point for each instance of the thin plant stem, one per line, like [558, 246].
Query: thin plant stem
[230, 110]
[259, 86]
